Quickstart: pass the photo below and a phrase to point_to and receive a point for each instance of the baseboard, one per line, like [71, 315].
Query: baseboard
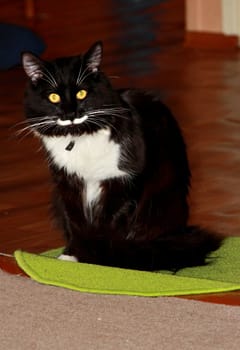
[206, 40]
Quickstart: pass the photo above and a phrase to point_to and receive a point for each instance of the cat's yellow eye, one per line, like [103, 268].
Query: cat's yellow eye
[81, 94]
[54, 98]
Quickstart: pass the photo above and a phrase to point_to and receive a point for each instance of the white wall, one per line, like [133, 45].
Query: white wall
[231, 17]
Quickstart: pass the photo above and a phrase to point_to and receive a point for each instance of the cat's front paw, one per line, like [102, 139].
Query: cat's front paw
[67, 258]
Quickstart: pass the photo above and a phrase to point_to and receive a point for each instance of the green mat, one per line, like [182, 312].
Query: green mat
[222, 275]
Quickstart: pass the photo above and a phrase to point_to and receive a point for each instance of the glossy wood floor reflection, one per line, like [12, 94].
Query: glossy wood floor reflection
[201, 87]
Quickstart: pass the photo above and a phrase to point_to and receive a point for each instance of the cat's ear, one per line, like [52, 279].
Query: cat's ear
[32, 66]
[93, 56]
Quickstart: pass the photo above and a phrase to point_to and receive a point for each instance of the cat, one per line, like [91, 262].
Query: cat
[119, 165]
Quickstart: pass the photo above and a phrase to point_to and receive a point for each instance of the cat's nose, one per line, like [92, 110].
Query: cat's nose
[66, 119]
[68, 116]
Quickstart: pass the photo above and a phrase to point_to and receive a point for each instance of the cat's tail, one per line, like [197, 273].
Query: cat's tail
[190, 247]
[173, 251]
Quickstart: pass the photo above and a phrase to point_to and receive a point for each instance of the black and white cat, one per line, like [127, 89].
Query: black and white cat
[119, 167]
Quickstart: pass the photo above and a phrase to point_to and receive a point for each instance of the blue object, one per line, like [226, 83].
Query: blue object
[138, 34]
[14, 40]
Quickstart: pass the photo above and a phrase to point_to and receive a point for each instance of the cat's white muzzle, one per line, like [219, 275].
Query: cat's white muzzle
[75, 121]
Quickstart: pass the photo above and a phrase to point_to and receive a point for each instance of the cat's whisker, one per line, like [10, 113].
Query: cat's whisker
[21, 131]
[19, 124]
[25, 122]
[50, 76]
[84, 77]
[37, 124]
[112, 105]
[30, 127]
[103, 125]
[113, 127]
[81, 75]
[112, 114]
[31, 131]
[15, 129]
[108, 112]
[43, 124]
[45, 127]
[49, 82]
[95, 122]
[22, 134]
[112, 108]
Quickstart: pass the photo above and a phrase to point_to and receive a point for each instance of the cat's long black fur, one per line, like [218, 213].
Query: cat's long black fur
[139, 217]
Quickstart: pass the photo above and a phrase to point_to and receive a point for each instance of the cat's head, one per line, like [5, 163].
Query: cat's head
[69, 95]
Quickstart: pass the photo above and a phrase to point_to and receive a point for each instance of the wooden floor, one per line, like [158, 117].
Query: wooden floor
[145, 49]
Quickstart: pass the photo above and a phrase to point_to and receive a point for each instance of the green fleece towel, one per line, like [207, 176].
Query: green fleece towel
[221, 275]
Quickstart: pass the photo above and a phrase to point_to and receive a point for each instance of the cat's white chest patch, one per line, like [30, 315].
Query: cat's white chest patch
[93, 158]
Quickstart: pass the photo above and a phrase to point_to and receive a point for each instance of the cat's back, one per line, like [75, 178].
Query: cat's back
[164, 143]
[157, 121]
[144, 101]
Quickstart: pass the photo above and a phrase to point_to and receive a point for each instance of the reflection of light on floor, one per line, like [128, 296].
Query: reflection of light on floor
[138, 34]
[139, 62]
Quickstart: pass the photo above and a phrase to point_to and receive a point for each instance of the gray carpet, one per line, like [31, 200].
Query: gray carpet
[39, 317]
